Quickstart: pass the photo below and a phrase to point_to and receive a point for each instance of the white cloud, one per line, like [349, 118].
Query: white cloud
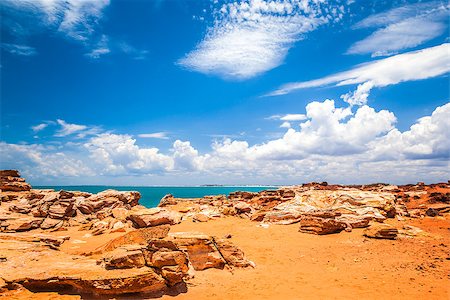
[285, 125]
[100, 49]
[416, 65]
[185, 156]
[76, 19]
[428, 138]
[39, 127]
[133, 51]
[38, 161]
[293, 117]
[154, 135]
[118, 154]
[68, 129]
[350, 144]
[328, 132]
[360, 95]
[251, 37]
[73, 19]
[23, 50]
[287, 119]
[402, 28]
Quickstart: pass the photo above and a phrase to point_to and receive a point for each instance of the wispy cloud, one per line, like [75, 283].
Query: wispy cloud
[76, 19]
[39, 127]
[421, 64]
[68, 129]
[132, 51]
[23, 50]
[100, 49]
[251, 37]
[288, 117]
[154, 135]
[402, 28]
[72, 19]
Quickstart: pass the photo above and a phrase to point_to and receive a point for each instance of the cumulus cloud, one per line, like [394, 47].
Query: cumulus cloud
[251, 37]
[328, 131]
[348, 144]
[39, 161]
[402, 28]
[428, 138]
[119, 154]
[360, 95]
[416, 65]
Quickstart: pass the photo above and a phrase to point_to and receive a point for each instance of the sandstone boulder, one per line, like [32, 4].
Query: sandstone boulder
[169, 258]
[201, 250]
[61, 209]
[233, 255]
[167, 200]
[242, 207]
[317, 225]
[381, 231]
[142, 236]
[200, 218]
[11, 173]
[23, 224]
[124, 258]
[151, 217]
[49, 223]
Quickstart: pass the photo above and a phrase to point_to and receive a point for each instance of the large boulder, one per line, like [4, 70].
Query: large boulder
[23, 223]
[10, 173]
[142, 236]
[318, 225]
[61, 209]
[233, 255]
[201, 250]
[154, 217]
[10, 181]
[167, 200]
[168, 258]
[381, 231]
[124, 258]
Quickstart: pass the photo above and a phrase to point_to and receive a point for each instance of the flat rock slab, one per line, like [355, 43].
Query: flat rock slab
[42, 269]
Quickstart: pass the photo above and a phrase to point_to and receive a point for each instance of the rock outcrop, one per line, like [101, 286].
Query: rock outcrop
[142, 256]
[28, 209]
[10, 181]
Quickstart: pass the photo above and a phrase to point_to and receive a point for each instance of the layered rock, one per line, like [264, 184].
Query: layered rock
[381, 231]
[28, 209]
[10, 181]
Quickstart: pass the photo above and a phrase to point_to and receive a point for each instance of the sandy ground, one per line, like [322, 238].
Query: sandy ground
[293, 265]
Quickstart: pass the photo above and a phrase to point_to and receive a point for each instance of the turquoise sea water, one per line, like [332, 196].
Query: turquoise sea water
[151, 195]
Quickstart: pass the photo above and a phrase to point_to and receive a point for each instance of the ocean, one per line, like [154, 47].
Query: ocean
[151, 195]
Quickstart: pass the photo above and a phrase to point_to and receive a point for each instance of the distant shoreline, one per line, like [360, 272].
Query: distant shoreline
[163, 186]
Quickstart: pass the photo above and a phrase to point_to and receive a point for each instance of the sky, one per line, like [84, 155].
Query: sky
[173, 92]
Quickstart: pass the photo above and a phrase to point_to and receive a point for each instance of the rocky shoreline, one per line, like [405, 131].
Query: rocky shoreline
[44, 234]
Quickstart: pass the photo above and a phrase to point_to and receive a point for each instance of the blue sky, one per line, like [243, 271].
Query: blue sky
[232, 92]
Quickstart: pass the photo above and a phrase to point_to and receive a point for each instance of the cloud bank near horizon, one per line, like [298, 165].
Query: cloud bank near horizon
[339, 144]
